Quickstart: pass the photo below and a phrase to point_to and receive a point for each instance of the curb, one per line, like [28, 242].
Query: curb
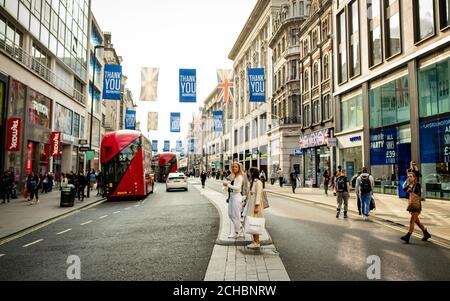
[438, 240]
[53, 219]
[240, 242]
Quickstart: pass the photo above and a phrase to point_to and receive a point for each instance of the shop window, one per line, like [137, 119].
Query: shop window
[389, 103]
[351, 113]
[39, 111]
[434, 89]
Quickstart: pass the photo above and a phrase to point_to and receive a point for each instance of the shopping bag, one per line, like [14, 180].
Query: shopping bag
[254, 225]
[265, 200]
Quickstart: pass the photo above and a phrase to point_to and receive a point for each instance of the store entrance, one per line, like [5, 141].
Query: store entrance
[317, 160]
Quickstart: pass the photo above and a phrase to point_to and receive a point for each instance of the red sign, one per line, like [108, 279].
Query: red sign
[29, 162]
[13, 133]
[55, 140]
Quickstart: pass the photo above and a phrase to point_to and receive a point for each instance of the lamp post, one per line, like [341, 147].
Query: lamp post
[92, 116]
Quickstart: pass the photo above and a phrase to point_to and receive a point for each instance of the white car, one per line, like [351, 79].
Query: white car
[177, 180]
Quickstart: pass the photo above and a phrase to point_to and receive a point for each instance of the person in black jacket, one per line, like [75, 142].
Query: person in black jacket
[82, 183]
[203, 177]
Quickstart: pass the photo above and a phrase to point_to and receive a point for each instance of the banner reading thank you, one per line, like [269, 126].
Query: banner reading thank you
[257, 82]
[175, 122]
[112, 82]
[130, 120]
[218, 121]
[166, 145]
[188, 85]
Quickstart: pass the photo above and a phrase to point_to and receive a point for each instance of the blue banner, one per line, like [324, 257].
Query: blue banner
[383, 146]
[175, 122]
[191, 146]
[112, 82]
[155, 146]
[257, 84]
[218, 121]
[188, 85]
[130, 120]
[179, 146]
[166, 146]
[435, 141]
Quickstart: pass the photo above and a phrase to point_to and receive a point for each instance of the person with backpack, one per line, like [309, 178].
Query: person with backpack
[364, 190]
[342, 192]
[358, 201]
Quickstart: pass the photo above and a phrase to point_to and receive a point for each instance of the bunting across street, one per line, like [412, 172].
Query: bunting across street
[149, 84]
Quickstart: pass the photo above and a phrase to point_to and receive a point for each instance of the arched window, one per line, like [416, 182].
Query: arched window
[306, 80]
[326, 67]
[316, 74]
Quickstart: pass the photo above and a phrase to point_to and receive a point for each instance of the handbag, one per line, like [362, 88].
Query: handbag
[414, 203]
[254, 225]
[372, 204]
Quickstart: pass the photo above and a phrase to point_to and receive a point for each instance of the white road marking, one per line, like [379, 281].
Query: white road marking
[137, 205]
[65, 231]
[116, 212]
[127, 208]
[102, 217]
[37, 241]
[1, 255]
[85, 223]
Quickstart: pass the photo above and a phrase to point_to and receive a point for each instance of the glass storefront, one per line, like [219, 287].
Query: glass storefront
[317, 160]
[351, 160]
[435, 157]
[434, 89]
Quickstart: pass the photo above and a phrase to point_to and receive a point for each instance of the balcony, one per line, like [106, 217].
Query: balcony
[21, 56]
[293, 50]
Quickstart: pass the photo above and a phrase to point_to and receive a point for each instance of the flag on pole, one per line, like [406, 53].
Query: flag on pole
[149, 84]
[152, 121]
[225, 87]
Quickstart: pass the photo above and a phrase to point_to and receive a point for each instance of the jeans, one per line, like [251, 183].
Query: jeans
[365, 203]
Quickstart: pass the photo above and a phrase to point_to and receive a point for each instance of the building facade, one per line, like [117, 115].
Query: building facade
[392, 91]
[213, 139]
[249, 143]
[43, 66]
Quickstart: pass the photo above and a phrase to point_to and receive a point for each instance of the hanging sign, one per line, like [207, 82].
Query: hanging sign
[55, 140]
[188, 85]
[14, 127]
[257, 84]
[112, 82]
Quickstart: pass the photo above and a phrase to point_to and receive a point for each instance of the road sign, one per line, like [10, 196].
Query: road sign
[90, 155]
[298, 152]
[84, 149]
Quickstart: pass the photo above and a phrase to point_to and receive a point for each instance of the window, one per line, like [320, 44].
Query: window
[235, 137]
[306, 80]
[355, 61]
[305, 47]
[424, 18]
[314, 39]
[293, 70]
[444, 7]
[434, 89]
[392, 25]
[306, 115]
[342, 48]
[284, 75]
[326, 67]
[247, 132]
[316, 112]
[326, 105]
[325, 29]
[351, 113]
[294, 8]
[389, 103]
[316, 74]
[373, 16]
[262, 124]
[294, 33]
[255, 128]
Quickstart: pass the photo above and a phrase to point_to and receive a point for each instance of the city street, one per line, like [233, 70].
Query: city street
[169, 236]
[315, 246]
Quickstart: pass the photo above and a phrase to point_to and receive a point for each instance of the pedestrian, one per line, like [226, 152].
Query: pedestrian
[326, 181]
[280, 177]
[364, 190]
[99, 183]
[14, 190]
[333, 182]
[294, 178]
[358, 200]
[413, 168]
[4, 189]
[272, 178]
[245, 192]
[82, 183]
[235, 201]
[92, 179]
[44, 180]
[263, 178]
[342, 191]
[50, 182]
[203, 177]
[255, 203]
[415, 207]
[33, 183]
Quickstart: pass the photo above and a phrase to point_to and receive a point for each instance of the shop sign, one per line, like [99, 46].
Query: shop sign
[318, 138]
[355, 138]
[68, 138]
[298, 152]
[13, 139]
[29, 161]
[383, 146]
[332, 142]
[55, 140]
[435, 141]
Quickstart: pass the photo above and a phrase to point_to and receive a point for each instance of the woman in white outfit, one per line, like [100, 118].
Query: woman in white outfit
[235, 203]
[255, 202]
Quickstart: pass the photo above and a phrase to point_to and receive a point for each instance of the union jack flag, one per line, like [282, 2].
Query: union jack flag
[225, 87]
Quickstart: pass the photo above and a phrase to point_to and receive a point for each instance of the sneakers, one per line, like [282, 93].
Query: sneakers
[254, 245]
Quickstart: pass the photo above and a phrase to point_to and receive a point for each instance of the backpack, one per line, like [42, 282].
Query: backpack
[366, 186]
[32, 185]
[354, 182]
[340, 184]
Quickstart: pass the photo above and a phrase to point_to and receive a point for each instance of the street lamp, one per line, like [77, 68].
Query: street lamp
[92, 115]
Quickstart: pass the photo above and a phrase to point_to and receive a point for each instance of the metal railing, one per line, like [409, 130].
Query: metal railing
[20, 55]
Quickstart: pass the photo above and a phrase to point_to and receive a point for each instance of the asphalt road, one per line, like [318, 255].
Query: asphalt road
[315, 246]
[168, 236]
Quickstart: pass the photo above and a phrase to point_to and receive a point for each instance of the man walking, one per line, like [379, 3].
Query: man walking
[280, 177]
[358, 201]
[364, 190]
[203, 177]
[294, 178]
[342, 191]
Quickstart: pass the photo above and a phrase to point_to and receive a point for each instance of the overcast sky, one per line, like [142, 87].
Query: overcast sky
[191, 34]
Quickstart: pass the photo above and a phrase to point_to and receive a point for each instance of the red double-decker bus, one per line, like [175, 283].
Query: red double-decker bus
[165, 163]
[126, 158]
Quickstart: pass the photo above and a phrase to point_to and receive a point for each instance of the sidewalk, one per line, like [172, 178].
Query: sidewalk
[435, 214]
[231, 260]
[19, 216]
